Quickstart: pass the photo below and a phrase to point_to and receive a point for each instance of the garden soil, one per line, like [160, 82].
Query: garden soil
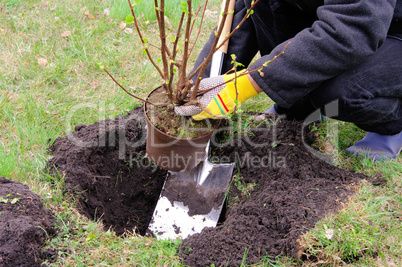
[105, 167]
[285, 189]
[289, 190]
[25, 225]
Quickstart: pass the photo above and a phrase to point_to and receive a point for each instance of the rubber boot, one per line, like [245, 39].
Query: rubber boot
[377, 146]
[271, 110]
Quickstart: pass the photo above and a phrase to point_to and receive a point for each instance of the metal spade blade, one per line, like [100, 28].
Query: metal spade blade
[191, 200]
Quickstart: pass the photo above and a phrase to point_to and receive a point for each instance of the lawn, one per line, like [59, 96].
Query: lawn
[50, 81]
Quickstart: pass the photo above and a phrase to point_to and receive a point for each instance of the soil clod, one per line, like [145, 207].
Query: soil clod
[25, 225]
[283, 189]
[105, 167]
[286, 200]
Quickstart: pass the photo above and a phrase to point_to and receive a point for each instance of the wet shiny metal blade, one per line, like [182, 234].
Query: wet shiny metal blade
[191, 201]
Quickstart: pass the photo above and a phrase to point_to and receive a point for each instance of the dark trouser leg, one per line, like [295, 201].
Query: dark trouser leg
[369, 95]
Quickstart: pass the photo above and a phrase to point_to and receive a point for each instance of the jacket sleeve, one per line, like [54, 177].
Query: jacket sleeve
[346, 32]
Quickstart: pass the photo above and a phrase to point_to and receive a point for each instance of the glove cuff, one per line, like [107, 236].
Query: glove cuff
[245, 89]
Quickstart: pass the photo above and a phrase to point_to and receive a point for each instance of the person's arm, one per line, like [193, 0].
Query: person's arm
[254, 84]
[346, 32]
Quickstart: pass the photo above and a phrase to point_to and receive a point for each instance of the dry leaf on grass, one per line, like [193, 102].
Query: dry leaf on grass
[94, 84]
[54, 113]
[122, 25]
[86, 13]
[66, 34]
[23, 35]
[3, 30]
[128, 30]
[147, 242]
[42, 61]
[9, 95]
[106, 12]
[329, 233]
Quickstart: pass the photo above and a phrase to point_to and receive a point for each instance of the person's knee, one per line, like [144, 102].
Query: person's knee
[347, 99]
[375, 110]
[356, 104]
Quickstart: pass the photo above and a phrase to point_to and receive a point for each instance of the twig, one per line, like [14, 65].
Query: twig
[143, 41]
[177, 93]
[235, 83]
[199, 28]
[211, 52]
[158, 20]
[206, 61]
[189, 83]
[269, 61]
[248, 71]
[162, 35]
[183, 75]
[173, 58]
[124, 89]
[249, 11]
[204, 109]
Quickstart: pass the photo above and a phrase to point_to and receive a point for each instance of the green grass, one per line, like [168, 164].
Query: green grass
[50, 83]
[367, 230]
[146, 11]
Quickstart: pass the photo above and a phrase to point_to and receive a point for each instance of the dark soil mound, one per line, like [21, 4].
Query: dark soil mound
[292, 191]
[24, 226]
[104, 166]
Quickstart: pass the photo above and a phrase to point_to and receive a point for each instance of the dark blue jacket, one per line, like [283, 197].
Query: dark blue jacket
[345, 33]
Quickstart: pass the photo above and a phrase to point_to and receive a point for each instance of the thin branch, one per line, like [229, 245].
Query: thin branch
[173, 57]
[248, 71]
[189, 84]
[235, 80]
[249, 12]
[185, 84]
[206, 61]
[162, 35]
[124, 89]
[204, 109]
[199, 28]
[211, 52]
[156, 6]
[143, 41]
[183, 75]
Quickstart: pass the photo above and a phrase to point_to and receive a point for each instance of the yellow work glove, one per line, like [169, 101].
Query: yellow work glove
[220, 101]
